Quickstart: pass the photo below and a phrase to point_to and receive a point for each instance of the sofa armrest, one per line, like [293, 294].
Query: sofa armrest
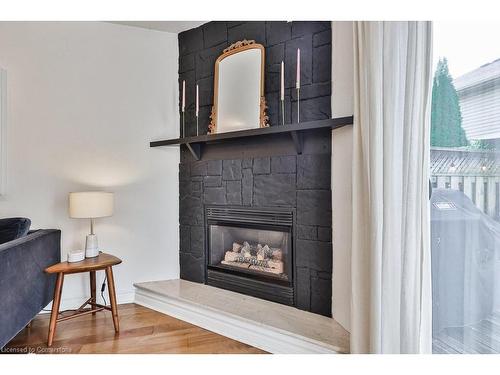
[25, 289]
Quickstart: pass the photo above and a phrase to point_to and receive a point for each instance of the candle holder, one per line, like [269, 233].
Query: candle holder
[183, 125]
[197, 109]
[298, 105]
[183, 108]
[283, 111]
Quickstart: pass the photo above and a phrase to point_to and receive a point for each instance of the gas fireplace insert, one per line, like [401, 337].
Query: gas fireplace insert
[251, 251]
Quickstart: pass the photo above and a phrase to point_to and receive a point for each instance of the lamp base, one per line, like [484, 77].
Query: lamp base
[91, 247]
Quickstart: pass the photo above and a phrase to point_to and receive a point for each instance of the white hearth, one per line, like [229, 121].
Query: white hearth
[270, 326]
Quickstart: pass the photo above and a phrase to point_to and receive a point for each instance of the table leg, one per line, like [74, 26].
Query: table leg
[93, 290]
[55, 308]
[112, 297]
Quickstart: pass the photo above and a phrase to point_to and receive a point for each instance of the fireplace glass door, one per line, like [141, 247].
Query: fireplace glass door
[261, 252]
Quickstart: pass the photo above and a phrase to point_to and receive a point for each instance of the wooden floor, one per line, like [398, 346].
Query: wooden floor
[479, 338]
[141, 331]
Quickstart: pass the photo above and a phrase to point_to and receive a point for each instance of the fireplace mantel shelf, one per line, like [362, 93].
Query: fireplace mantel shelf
[195, 144]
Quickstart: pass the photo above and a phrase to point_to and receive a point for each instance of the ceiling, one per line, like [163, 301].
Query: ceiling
[169, 26]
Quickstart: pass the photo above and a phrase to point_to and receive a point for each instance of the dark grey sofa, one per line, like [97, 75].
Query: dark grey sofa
[25, 289]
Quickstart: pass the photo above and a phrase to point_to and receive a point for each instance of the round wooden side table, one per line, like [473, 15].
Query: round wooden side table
[101, 262]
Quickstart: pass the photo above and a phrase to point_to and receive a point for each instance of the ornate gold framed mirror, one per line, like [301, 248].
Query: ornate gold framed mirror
[239, 102]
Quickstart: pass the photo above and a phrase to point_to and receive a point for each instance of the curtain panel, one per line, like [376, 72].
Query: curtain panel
[390, 261]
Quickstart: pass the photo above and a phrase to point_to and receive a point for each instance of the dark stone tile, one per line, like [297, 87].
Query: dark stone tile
[274, 190]
[274, 56]
[300, 28]
[247, 163]
[278, 32]
[184, 171]
[192, 268]
[322, 64]
[283, 164]
[314, 109]
[255, 30]
[291, 46]
[196, 188]
[314, 207]
[322, 38]
[325, 234]
[231, 169]
[321, 295]
[186, 63]
[199, 168]
[185, 189]
[303, 288]
[233, 192]
[190, 211]
[213, 181]
[204, 119]
[214, 167]
[190, 41]
[205, 60]
[314, 255]
[206, 91]
[185, 238]
[313, 91]
[214, 33]
[272, 83]
[214, 195]
[247, 187]
[261, 165]
[197, 241]
[307, 232]
[314, 171]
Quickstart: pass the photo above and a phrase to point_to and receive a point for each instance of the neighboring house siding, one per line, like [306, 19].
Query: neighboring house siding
[480, 106]
[479, 95]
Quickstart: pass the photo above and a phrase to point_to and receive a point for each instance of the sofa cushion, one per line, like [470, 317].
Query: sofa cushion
[13, 228]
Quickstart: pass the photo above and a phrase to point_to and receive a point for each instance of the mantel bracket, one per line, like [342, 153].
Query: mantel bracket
[195, 149]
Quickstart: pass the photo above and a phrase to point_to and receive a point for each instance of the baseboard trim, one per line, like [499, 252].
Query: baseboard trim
[251, 333]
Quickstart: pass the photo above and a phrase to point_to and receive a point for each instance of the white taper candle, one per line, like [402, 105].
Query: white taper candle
[197, 101]
[183, 95]
[298, 69]
[282, 96]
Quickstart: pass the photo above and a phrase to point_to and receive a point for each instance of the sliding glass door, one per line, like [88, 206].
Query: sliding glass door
[465, 178]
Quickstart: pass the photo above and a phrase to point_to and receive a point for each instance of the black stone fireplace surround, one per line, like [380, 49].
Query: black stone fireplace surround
[263, 172]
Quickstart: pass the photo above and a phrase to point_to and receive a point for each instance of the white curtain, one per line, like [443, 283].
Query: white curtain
[391, 278]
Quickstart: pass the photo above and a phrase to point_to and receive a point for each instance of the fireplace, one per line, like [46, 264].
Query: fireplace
[251, 251]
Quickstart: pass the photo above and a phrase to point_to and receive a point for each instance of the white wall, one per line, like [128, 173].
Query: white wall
[342, 105]
[84, 100]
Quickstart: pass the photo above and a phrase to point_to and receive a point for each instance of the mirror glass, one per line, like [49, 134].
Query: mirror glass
[239, 91]
[239, 102]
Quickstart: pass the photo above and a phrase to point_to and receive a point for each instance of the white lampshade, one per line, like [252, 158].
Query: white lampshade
[90, 204]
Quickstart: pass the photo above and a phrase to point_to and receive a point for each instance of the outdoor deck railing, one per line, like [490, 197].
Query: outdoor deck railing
[474, 172]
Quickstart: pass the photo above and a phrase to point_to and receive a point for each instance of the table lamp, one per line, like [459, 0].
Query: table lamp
[90, 205]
